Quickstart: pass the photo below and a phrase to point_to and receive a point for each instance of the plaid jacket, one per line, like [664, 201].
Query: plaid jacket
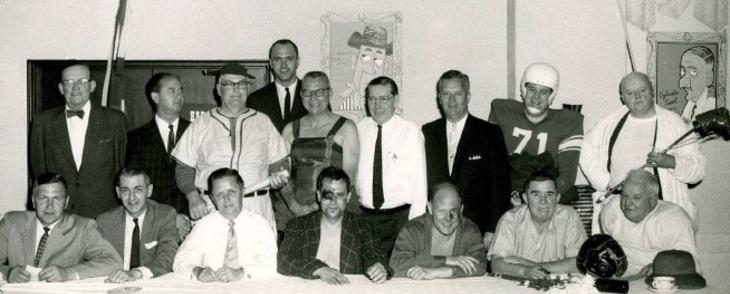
[359, 248]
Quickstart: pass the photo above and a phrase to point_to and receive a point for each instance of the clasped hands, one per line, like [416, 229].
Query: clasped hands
[224, 274]
[467, 264]
[376, 273]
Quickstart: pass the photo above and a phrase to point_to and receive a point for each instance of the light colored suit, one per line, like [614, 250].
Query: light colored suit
[74, 244]
[158, 235]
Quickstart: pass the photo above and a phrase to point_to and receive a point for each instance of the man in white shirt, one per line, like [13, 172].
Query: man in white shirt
[231, 243]
[391, 177]
[141, 230]
[696, 76]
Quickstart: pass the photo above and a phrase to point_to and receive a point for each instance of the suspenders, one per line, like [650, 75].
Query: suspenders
[612, 142]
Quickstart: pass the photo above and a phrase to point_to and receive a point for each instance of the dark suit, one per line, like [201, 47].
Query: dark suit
[480, 170]
[359, 248]
[73, 244]
[267, 101]
[158, 235]
[146, 149]
[91, 187]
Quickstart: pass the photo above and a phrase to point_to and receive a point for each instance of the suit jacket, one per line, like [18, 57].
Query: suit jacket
[158, 235]
[146, 149]
[359, 248]
[267, 101]
[480, 171]
[74, 244]
[91, 187]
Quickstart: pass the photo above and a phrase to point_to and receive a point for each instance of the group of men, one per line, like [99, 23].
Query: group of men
[436, 202]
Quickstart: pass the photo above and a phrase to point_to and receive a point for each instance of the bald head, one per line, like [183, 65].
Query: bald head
[634, 77]
[445, 208]
[446, 193]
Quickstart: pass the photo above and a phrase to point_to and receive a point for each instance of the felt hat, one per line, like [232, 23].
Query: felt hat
[373, 36]
[678, 264]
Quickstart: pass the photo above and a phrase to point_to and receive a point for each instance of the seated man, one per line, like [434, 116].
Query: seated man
[145, 255]
[65, 246]
[331, 242]
[231, 243]
[441, 243]
[539, 237]
[644, 225]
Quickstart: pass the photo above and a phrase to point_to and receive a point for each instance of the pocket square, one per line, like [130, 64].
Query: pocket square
[475, 157]
[150, 245]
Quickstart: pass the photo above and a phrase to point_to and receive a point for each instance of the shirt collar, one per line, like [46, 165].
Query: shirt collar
[460, 123]
[162, 124]
[140, 218]
[40, 225]
[86, 108]
[292, 88]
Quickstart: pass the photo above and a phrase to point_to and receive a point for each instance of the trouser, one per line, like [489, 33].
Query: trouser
[386, 224]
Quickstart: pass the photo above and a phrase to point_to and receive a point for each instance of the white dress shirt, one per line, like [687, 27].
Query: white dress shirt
[404, 164]
[128, 230]
[77, 133]
[206, 245]
[164, 128]
[329, 243]
[453, 136]
[281, 94]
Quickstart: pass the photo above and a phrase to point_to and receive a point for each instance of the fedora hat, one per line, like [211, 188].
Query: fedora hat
[373, 36]
[678, 264]
[234, 68]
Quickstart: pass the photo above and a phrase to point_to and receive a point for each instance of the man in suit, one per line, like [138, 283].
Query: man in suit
[331, 242]
[149, 146]
[470, 153]
[141, 230]
[280, 100]
[82, 142]
[64, 246]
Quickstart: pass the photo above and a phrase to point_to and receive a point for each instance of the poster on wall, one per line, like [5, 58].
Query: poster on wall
[357, 47]
[688, 71]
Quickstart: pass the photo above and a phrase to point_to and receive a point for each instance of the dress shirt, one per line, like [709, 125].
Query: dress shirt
[453, 136]
[329, 243]
[128, 230]
[77, 133]
[206, 245]
[164, 128]
[516, 235]
[404, 164]
[39, 234]
[281, 94]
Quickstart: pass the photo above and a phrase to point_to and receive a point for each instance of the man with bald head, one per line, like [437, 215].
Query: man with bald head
[83, 142]
[634, 135]
[441, 243]
[644, 225]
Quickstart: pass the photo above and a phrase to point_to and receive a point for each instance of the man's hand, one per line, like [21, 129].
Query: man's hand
[535, 272]
[661, 160]
[422, 273]
[121, 276]
[330, 276]
[196, 204]
[487, 239]
[204, 274]
[515, 198]
[377, 273]
[182, 222]
[467, 264]
[646, 271]
[18, 274]
[279, 178]
[520, 261]
[53, 274]
[226, 274]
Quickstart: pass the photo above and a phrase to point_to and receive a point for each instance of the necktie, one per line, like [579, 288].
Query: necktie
[134, 259]
[287, 102]
[453, 143]
[170, 139]
[41, 246]
[71, 113]
[378, 198]
[231, 258]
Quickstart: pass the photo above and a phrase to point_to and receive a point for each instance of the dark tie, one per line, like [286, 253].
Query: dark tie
[287, 102]
[170, 139]
[41, 246]
[378, 198]
[231, 258]
[71, 113]
[134, 259]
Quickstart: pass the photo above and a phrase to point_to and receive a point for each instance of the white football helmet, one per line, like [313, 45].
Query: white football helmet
[542, 74]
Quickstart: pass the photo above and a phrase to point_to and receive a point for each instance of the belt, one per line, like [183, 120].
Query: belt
[257, 193]
[386, 210]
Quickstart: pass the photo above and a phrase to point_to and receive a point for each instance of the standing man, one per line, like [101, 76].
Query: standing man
[633, 135]
[82, 142]
[535, 132]
[696, 76]
[391, 176]
[63, 245]
[281, 100]
[232, 136]
[468, 152]
[149, 146]
[141, 230]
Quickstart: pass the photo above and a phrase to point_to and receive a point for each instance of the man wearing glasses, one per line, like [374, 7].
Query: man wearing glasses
[344, 242]
[391, 177]
[83, 142]
[232, 136]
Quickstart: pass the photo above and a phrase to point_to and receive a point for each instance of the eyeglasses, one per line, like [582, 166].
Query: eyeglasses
[317, 93]
[228, 85]
[382, 99]
[79, 82]
[446, 95]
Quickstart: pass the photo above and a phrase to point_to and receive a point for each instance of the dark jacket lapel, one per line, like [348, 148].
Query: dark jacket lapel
[62, 137]
[462, 148]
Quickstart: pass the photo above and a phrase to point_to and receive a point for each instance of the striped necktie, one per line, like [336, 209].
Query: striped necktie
[41, 246]
[231, 258]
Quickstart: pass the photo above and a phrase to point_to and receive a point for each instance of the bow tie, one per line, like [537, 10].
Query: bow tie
[71, 113]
